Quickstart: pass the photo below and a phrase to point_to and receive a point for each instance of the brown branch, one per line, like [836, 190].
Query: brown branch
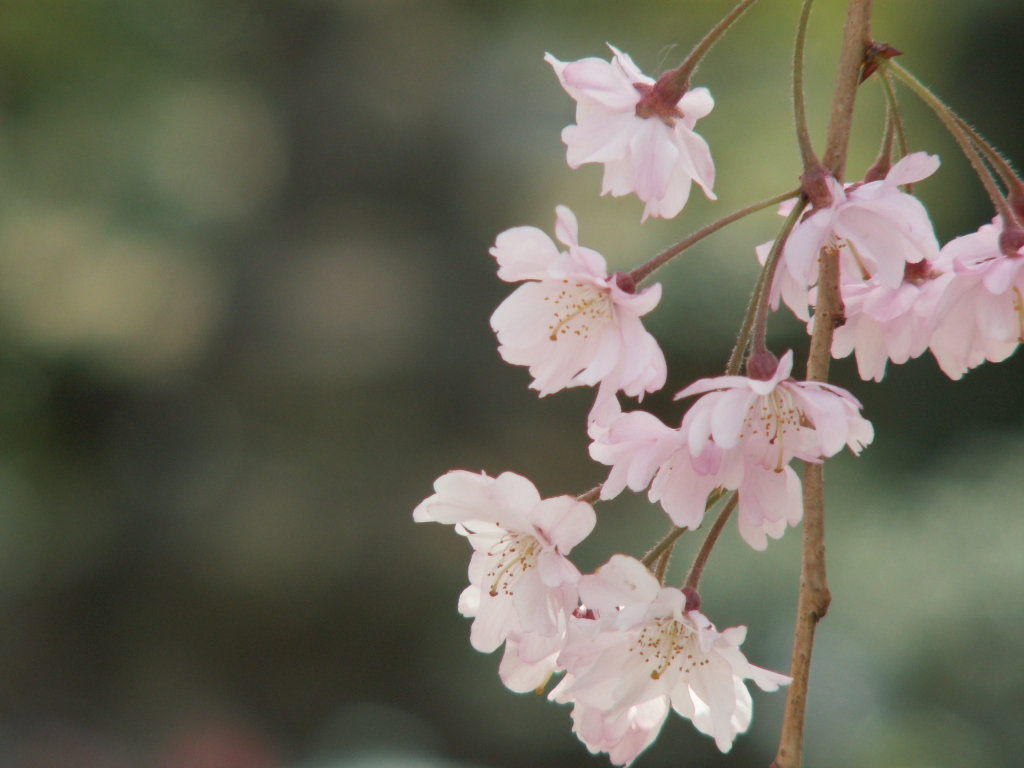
[814, 596]
[594, 494]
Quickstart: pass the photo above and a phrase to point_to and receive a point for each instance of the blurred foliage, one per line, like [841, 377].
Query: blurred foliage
[244, 295]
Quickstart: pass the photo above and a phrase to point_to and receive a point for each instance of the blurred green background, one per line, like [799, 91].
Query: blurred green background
[244, 301]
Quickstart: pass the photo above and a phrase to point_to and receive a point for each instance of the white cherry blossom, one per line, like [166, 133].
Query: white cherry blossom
[981, 314]
[571, 322]
[876, 227]
[641, 130]
[521, 581]
[740, 436]
[644, 652]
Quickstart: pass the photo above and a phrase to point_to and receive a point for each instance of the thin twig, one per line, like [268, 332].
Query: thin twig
[814, 596]
[803, 135]
[685, 70]
[743, 337]
[667, 541]
[648, 268]
[594, 494]
[944, 114]
[894, 105]
[693, 577]
[995, 159]
[771, 263]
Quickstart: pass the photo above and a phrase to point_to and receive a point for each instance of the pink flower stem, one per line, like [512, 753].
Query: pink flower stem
[693, 577]
[946, 116]
[681, 75]
[649, 267]
[814, 597]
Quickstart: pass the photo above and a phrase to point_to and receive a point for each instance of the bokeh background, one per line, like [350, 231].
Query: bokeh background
[244, 301]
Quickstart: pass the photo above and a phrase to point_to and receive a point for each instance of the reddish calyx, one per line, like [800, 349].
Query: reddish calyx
[919, 273]
[692, 599]
[661, 99]
[1011, 240]
[814, 185]
[761, 365]
[625, 282]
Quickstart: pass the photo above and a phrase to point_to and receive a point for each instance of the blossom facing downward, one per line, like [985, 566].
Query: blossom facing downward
[642, 133]
[885, 323]
[522, 585]
[981, 314]
[646, 652]
[571, 322]
[877, 228]
[741, 435]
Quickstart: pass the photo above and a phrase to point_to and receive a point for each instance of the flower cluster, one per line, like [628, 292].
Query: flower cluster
[741, 436]
[630, 649]
[902, 293]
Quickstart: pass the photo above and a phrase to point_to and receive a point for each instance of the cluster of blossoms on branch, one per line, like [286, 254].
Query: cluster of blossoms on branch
[629, 648]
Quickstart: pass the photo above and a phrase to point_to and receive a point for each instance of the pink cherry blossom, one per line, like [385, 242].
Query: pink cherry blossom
[740, 436]
[981, 314]
[572, 323]
[645, 652]
[645, 140]
[521, 582]
[885, 323]
[875, 226]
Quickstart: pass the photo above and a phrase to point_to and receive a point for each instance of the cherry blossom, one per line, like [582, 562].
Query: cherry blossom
[641, 130]
[740, 436]
[521, 582]
[981, 314]
[878, 228]
[647, 650]
[885, 323]
[571, 322]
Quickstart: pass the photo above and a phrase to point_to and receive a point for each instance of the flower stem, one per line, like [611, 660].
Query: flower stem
[995, 159]
[667, 542]
[594, 494]
[693, 577]
[946, 116]
[764, 283]
[883, 163]
[648, 268]
[894, 105]
[814, 596]
[803, 135]
[681, 76]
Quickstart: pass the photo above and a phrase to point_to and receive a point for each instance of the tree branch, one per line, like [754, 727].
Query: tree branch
[814, 595]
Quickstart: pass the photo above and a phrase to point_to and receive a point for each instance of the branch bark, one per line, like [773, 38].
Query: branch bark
[814, 595]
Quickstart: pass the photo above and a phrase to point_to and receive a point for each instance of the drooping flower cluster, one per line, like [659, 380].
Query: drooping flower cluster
[641, 650]
[741, 435]
[981, 314]
[962, 302]
[522, 586]
[631, 649]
